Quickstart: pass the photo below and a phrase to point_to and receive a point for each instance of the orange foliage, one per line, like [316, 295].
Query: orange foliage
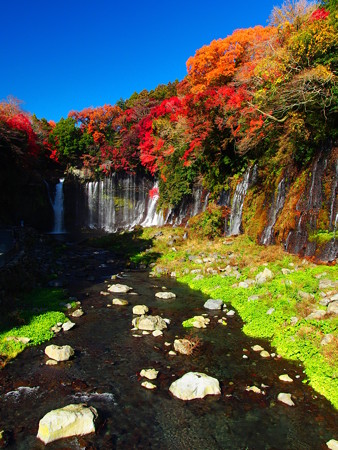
[218, 62]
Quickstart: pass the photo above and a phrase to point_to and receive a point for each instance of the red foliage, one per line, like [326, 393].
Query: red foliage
[319, 14]
[154, 192]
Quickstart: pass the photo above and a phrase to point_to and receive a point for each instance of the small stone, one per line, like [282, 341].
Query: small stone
[140, 309]
[305, 295]
[327, 339]
[172, 353]
[167, 344]
[333, 308]
[167, 321]
[318, 314]
[151, 374]
[119, 288]
[23, 340]
[265, 354]
[230, 313]
[270, 311]
[285, 377]
[104, 293]
[254, 389]
[332, 444]
[253, 298]
[77, 313]
[145, 332]
[285, 398]
[51, 362]
[157, 333]
[136, 335]
[245, 356]
[286, 271]
[68, 325]
[148, 385]
[257, 348]
[165, 295]
[293, 320]
[264, 276]
[58, 353]
[213, 304]
[120, 302]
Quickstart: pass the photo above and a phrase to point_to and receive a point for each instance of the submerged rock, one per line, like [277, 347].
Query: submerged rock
[119, 288]
[72, 420]
[165, 295]
[194, 385]
[140, 309]
[59, 353]
[213, 304]
[120, 302]
[149, 323]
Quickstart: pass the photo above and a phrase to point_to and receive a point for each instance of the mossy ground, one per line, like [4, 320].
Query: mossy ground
[300, 341]
[36, 313]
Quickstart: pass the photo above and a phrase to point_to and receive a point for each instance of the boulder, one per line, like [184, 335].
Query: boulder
[165, 295]
[213, 304]
[264, 276]
[119, 288]
[140, 309]
[59, 353]
[149, 323]
[72, 420]
[120, 302]
[332, 444]
[194, 385]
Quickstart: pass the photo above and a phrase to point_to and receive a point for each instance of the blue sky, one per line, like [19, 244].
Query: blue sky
[62, 55]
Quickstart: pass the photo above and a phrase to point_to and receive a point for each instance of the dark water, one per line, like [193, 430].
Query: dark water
[105, 374]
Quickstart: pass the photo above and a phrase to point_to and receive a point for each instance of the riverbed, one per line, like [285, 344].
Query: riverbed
[105, 373]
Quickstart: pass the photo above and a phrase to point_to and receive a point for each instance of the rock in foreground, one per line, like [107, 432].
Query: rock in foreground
[59, 353]
[194, 385]
[72, 420]
[149, 323]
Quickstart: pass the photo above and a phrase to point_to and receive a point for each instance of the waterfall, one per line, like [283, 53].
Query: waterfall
[237, 204]
[58, 206]
[277, 205]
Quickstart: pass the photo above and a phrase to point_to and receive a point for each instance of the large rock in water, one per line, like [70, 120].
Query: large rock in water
[59, 353]
[72, 420]
[149, 323]
[194, 385]
[213, 304]
[165, 295]
[119, 288]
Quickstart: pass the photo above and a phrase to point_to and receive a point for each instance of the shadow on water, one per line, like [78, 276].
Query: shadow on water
[109, 357]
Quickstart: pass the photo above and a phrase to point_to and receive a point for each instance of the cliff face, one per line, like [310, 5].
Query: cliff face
[296, 208]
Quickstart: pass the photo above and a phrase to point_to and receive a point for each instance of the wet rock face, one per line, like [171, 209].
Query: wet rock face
[72, 420]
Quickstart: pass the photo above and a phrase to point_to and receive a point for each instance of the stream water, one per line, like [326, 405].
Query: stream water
[105, 374]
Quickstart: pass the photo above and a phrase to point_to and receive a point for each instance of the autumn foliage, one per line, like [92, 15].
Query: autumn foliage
[259, 90]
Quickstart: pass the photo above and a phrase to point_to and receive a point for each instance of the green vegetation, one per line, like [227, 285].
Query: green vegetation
[290, 296]
[36, 314]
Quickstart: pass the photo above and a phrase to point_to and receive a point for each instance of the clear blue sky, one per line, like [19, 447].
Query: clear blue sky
[68, 54]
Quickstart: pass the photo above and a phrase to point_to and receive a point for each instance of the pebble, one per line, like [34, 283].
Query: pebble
[51, 362]
[254, 389]
[145, 332]
[157, 333]
[167, 344]
[285, 377]
[151, 374]
[231, 313]
[265, 354]
[257, 348]
[172, 353]
[285, 398]
[245, 357]
[77, 313]
[148, 385]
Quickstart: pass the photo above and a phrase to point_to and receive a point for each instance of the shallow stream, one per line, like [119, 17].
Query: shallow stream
[105, 374]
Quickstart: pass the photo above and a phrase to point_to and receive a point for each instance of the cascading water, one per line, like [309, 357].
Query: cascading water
[237, 204]
[277, 205]
[58, 208]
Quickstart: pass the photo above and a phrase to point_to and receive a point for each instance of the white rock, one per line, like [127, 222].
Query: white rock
[257, 348]
[51, 362]
[151, 374]
[68, 325]
[59, 353]
[119, 288]
[213, 304]
[265, 354]
[140, 309]
[285, 398]
[148, 385]
[285, 377]
[72, 420]
[254, 389]
[165, 295]
[318, 314]
[172, 353]
[182, 346]
[200, 322]
[264, 276]
[333, 307]
[230, 313]
[194, 385]
[157, 333]
[327, 339]
[120, 302]
[145, 332]
[149, 323]
[77, 313]
[332, 444]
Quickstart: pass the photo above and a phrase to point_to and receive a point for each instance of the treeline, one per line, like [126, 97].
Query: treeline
[260, 92]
